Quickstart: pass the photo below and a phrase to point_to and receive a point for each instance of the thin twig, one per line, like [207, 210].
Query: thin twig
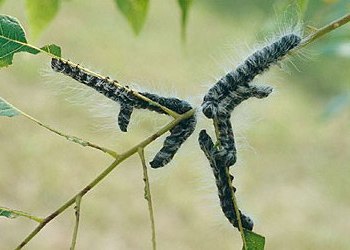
[235, 206]
[148, 196]
[101, 176]
[68, 137]
[322, 31]
[15, 213]
[77, 218]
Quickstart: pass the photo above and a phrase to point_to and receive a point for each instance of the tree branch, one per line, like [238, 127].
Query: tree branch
[68, 137]
[318, 33]
[11, 213]
[148, 196]
[101, 176]
[77, 218]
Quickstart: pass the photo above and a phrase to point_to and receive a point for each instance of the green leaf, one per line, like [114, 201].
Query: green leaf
[254, 241]
[40, 14]
[12, 40]
[7, 109]
[135, 11]
[184, 6]
[7, 213]
[52, 49]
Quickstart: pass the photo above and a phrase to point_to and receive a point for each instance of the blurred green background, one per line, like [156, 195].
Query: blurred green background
[293, 171]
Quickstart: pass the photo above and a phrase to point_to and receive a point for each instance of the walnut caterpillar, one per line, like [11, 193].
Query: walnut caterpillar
[236, 84]
[218, 104]
[128, 101]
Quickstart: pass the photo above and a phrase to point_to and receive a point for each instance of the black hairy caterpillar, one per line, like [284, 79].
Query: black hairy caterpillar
[219, 167]
[128, 101]
[235, 87]
[255, 64]
[223, 115]
[218, 104]
[178, 135]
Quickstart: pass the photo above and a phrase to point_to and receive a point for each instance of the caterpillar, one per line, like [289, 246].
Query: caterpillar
[128, 101]
[124, 116]
[223, 181]
[218, 104]
[237, 82]
[178, 135]
[234, 98]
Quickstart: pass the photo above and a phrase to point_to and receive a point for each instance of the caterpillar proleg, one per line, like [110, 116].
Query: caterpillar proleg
[124, 116]
[128, 101]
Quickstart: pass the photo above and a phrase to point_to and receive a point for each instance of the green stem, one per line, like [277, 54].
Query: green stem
[101, 176]
[68, 137]
[148, 196]
[238, 214]
[77, 218]
[16, 213]
[322, 31]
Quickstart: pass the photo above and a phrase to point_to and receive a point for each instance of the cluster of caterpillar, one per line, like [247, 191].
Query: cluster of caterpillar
[128, 101]
[218, 104]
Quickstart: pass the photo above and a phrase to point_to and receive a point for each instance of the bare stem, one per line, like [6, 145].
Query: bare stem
[68, 137]
[15, 213]
[148, 196]
[238, 214]
[101, 176]
[318, 33]
[77, 218]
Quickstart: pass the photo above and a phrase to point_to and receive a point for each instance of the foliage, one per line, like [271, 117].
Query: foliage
[185, 6]
[135, 11]
[39, 19]
[13, 40]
